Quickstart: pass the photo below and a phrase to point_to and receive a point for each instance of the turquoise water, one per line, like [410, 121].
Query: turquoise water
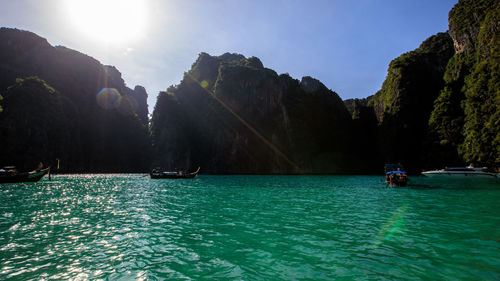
[129, 227]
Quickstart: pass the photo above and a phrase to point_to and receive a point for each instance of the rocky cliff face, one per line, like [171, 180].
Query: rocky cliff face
[139, 97]
[440, 103]
[232, 115]
[414, 79]
[465, 20]
[106, 121]
[34, 125]
[404, 103]
[466, 116]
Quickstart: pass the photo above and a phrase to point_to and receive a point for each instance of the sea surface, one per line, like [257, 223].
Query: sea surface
[130, 227]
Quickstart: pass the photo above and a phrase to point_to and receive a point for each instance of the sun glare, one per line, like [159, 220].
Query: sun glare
[109, 21]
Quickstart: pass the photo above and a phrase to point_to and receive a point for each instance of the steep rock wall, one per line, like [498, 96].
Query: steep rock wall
[232, 115]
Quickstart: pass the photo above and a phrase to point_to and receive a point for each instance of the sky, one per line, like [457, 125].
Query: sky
[345, 44]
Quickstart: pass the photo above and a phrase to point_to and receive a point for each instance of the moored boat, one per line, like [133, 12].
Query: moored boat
[468, 172]
[395, 176]
[158, 174]
[11, 175]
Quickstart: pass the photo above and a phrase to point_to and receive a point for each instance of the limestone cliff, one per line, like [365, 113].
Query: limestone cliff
[404, 103]
[440, 104]
[105, 121]
[465, 122]
[232, 115]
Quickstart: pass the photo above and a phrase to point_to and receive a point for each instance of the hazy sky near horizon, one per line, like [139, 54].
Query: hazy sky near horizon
[346, 44]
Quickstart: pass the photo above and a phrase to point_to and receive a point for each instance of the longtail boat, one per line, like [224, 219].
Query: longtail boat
[395, 176]
[12, 176]
[158, 174]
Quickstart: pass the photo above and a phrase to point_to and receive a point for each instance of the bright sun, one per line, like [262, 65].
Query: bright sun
[109, 21]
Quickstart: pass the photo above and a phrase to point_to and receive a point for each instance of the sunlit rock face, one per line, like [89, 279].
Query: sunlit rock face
[404, 103]
[232, 115]
[466, 116]
[465, 20]
[439, 104]
[106, 120]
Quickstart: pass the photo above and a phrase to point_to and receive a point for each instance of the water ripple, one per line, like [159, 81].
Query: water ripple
[87, 227]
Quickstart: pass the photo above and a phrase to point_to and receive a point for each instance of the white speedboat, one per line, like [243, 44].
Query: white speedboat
[461, 173]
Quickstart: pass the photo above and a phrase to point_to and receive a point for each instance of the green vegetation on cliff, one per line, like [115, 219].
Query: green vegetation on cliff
[440, 104]
[482, 95]
[414, 78]
[404, 103]
[465, 120]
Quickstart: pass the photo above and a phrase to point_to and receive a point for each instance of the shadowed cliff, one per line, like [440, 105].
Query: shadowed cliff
[88, 128]
[231, 115]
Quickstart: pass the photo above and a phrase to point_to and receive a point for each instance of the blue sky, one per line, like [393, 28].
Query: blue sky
[345, 44]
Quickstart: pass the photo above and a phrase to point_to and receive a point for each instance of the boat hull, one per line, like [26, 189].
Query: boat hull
[25, 177]
[396, 183]
[459, 175]
[173, 175]
[160, 176]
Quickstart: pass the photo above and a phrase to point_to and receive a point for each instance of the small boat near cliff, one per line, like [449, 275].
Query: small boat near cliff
[395, 176]
[158, 174]
[11, 175]
[468, 172]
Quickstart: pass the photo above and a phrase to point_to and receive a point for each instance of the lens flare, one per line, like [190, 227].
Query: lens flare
[391, 226]
[109, 98]
[204, 84]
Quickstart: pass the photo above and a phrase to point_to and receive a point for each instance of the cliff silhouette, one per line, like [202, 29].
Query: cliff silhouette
[59, 103]
[439, 105]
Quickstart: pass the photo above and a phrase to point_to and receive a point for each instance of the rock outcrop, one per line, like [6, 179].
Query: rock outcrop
[404, 104]
[105, 121]
[231, 115]
[440, 104]
[465, 122]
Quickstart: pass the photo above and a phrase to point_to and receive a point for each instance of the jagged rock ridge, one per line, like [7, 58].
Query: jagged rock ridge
[232, 115]
[104, 130]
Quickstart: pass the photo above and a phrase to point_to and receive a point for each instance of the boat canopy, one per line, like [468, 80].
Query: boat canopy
[170, 173]
[396, 172]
